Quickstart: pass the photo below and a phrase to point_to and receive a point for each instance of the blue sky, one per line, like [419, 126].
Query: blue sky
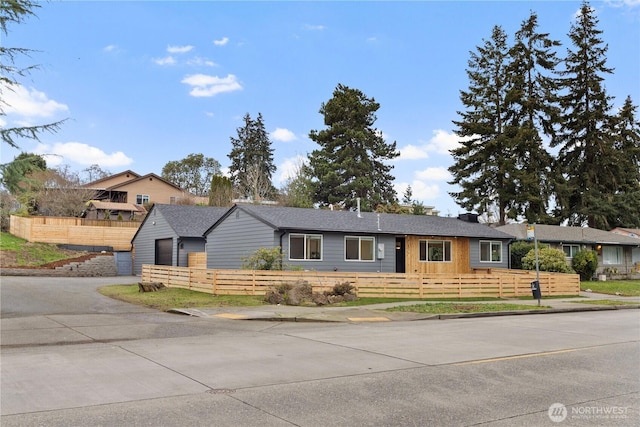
[144, 83]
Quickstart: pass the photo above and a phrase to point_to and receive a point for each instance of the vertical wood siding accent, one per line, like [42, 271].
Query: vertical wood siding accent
[237, 236]
[459, 256]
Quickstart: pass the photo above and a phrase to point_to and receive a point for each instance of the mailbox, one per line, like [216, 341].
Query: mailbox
[535, 290]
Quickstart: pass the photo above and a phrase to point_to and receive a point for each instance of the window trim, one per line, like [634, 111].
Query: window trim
[491, 243]
[433, 241]
[371, 239]
[570, 246]
[143, 197]
[306, 237]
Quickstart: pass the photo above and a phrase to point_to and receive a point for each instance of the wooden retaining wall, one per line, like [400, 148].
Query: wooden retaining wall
[75, 231]
[494, 283]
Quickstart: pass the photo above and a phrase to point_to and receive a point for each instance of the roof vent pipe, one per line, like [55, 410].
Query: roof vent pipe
[358, 207]
[330, 206]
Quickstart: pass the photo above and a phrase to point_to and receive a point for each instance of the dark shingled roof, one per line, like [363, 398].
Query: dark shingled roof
[556, 233]
[189, 221]
[369, 222]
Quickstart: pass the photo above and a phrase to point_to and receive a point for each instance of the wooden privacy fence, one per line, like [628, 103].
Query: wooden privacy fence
[495, 283]
[74, 231]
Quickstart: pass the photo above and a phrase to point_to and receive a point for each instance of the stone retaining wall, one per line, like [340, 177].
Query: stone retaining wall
[99, 266]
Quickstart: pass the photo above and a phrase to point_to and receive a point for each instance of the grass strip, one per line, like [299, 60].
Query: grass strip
[627, 288]
[450, 308]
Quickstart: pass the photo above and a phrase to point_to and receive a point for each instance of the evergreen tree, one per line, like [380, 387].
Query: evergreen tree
[484, 165]
[626, 134]
[221, 192]
[251, 158]
[350, 162]
[16, 12]
[532, 114]
[587, 155]
[16, 174]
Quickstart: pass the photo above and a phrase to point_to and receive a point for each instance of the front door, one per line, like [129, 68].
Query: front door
[400, 255]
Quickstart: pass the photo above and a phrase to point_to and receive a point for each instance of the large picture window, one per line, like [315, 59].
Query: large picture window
[305, 246]
[435, 250]
[358, 248]
[611, 255]
[490, 251]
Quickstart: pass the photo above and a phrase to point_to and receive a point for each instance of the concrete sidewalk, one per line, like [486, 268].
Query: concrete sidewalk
[377, 313]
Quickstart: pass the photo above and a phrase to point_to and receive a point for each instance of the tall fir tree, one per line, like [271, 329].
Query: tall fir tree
[350, 162]
[532, 114]
[251, 158]
[587, 156]
[484, 165]
[626, 134]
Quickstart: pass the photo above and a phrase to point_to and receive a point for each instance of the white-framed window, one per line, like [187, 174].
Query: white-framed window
[305, 247]
[612, 255]
[142, 199]
[570, 250]
[490, 251]
[435, 250]
[359, 248]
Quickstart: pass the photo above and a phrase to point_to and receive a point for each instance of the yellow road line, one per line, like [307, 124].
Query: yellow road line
[521, 356]
[231, 316]
[368, 319]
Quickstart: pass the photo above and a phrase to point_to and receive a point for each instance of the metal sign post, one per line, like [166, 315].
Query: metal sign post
[535, 286]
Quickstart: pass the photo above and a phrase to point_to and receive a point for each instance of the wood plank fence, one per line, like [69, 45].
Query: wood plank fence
[499, 283]
[75, 231]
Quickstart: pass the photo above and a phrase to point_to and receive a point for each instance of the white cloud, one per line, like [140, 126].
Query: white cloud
[198, 61]
[434, 174]
[412, 152]
[167, 60]
[284, 135]
[30, 103]
[289, 168]
[621, 3]
[206, 86]
[311, 27]
[179, 49]
[223, 41]
[82, 154]
[110, 48]
[420, 190]
[442, 142]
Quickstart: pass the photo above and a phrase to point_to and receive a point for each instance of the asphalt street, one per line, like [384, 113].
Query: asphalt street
[71, 357]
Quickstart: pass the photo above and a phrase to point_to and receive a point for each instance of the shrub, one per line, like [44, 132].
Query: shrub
[264, 259]
[552, 260]
[585, 263]
[518, 251]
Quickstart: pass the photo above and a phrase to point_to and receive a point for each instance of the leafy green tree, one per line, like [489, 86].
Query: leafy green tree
[587, 154]
[298, 189]
[221, 193]
[17, 12]
[484, 164]
[532, 113]
[350, 162]
[251, 158]
[518, 251]
[585, 263]
[549, 259]
[16, 174]
[626, 131]
[193, 173]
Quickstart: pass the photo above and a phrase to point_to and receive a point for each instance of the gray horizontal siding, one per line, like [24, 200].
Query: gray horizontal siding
[235, 237]
[154, 227]
[186, 246]
[474, 254]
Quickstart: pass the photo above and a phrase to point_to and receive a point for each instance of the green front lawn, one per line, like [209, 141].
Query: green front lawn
[629, 288]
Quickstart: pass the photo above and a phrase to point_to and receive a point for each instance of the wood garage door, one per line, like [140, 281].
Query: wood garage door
[164, 252]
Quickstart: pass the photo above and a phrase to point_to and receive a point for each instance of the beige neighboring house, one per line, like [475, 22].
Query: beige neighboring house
[630, 232]
[130, 187]
[114, 211]
[617, 254]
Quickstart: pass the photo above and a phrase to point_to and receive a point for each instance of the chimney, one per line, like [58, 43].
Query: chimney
[468, 217]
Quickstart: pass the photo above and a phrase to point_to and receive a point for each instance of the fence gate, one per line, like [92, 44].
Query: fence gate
[124, 263]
